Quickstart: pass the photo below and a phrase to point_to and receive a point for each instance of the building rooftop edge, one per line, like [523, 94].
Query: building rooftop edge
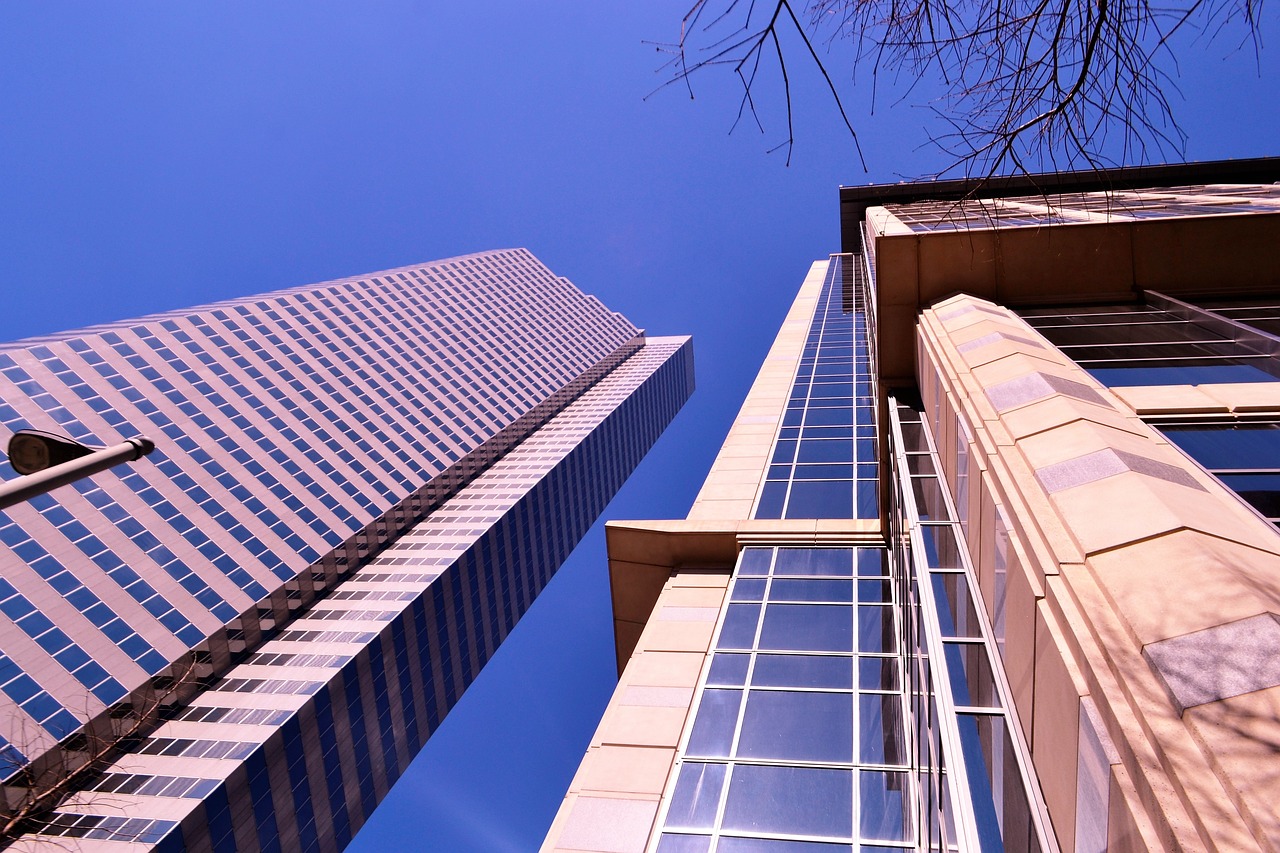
[854, 200]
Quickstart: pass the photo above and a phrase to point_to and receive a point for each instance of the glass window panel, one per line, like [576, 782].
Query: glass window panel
[872, 562]
[712, 734]
[772, 498]
[837, 562]
[731, 844]
[824, 472]
[728, 670]
[970, 675]
[956, 614]
[779, 472]
[1155, 355]
[755, 561]
[807, 627]
[831, 671]
[929, 501]
[748, 589]
[1174, 374]
[811, 589]
[671, 843]
[880, 728]
[1000, 803]
[820, 499]
[875, 629]
[832, 389]
[845, 431]
[868, 499]
[790, 801]
[877, 673]
[836, 416]
[913, 438]
[790, 726]
[739, 630]
[697, 796]
[874, 590]
[883, 811]
[1262, 491]
[1229, 446]
[825, 450]
[941, 551]
[784, 452]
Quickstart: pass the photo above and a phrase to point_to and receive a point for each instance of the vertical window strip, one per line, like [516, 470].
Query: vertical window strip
[800, 728]
[977, 732]
[824, 463]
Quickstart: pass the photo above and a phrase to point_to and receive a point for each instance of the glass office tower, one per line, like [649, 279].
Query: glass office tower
[988, 559]
[241, 641]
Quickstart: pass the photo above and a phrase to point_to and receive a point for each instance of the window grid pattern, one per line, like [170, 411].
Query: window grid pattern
[504, 534]
[1066, 208]
[1243, 454]
[1146, 345]
[106, 828]
[824, 457]
[799, 731]
[287, 423]
[976, 792]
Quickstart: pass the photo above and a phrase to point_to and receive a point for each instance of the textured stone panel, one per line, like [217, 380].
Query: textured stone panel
[1107, 463]
[1219, 662]
[608, 825]
[1038, 386]
[995, 338]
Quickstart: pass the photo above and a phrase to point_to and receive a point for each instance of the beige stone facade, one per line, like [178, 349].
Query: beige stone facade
[1133, 598]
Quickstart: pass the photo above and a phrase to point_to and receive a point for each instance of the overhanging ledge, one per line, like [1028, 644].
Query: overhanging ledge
[643, 554]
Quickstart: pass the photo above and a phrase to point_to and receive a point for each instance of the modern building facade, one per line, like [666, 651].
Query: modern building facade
[240, 642]
[989, 558]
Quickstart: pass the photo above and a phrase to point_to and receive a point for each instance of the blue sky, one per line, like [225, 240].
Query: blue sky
[156, 155]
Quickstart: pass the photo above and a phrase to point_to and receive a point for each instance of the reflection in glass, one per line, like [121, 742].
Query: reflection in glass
[877, 673]
[787, 589]
[1000, 803]
[956, 616]
[755, 561]
[696, 797]
[970, 673]
[807, 627]
[728, 669]
[790, 801]
[712, 734]
[873, 562]
[748, 589]
[739, 631]
[875, 629]
[672, 843]
[873, 591]
[883, 810]
[929, 501]
[880, 728]
[820, 499]
[729, 844]
[837, 562]
[868, 499]
[833, 671]
[941, 551]
[793, 726]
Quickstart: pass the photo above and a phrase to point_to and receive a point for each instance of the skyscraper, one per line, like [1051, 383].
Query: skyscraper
[988, 559]
[240, 642]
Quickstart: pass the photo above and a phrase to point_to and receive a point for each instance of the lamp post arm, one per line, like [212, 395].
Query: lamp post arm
[25, 488]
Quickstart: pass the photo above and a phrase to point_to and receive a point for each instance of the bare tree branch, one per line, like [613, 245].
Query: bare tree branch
[1024, 83]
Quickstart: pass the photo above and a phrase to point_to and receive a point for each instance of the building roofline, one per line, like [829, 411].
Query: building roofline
[855, 200]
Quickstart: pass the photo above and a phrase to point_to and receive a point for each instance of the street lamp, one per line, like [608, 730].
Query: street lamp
[48, 461]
